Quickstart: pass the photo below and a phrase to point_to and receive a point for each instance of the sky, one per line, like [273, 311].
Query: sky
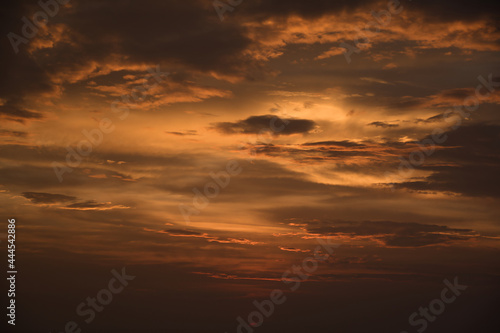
[209, 147]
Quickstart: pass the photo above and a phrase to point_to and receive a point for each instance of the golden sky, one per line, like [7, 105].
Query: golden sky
[210, 155]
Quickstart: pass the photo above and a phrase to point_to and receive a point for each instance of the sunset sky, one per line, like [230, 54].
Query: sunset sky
[116, 116]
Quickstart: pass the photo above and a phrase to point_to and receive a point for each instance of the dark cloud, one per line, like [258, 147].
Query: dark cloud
[460, 10]
[310, 9]
[459, 93]
[181, 232]
[397, 234]
[432, 10]
[344, 143]
[47, 198]
[475, 181]
[154, 32]
[190, 132]
[310, 154]
[382, 124]
[93, 205]
[86, 204]
[119, 35]
[22, 75]
[343, 152]
[469, 165]
[11, 110]
[433, 119]
[157, 32]
[17, 134]
[269, 123]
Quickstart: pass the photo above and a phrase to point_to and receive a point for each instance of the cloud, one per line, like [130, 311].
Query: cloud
[469, 165]
[442, 99]
[225, 276]
[397, 234]
[185, 133]
[433, 11]
[12, 111]
[344, 143]
[433, 119]
[258, 124]
[462, 10]
[234, 241]
[181, 232]
[47, 198]
[382, 124]
[331, 52]
[60, 201]
[93, 205]
[17, 134]
[345, 153]
[292, 249]
[205, 236]
[153, 38]
[374, 80]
